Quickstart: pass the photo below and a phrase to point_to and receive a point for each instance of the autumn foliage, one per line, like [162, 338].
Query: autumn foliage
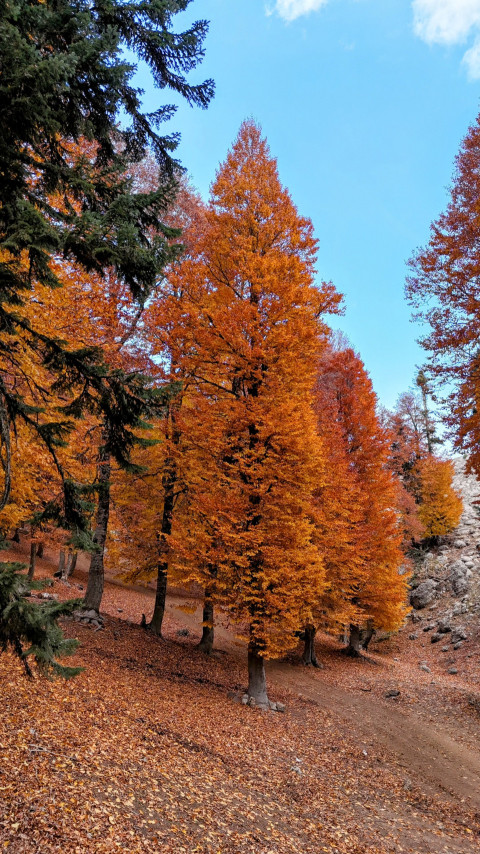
[365, 584]
[440, 507]
[428, 503]
[256, 467]
[443, 289]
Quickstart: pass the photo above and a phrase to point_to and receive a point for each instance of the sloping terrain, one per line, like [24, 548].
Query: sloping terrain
[148, 751]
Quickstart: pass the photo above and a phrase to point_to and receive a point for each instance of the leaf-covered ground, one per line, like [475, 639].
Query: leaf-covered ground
[147, 751]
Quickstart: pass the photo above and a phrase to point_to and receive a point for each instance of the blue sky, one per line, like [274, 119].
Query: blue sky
[364, 104]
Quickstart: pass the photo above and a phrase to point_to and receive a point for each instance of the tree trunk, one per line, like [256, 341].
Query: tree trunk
[94, 593]
[73, 563]
[206, 643]
[31, 566]
[16, 535]
[155, 624]
[367, 635]
[69, 566]
[257, 683]
[354, 641]
[40, 550]
[309, 656]
[61, 564]
[169, 481]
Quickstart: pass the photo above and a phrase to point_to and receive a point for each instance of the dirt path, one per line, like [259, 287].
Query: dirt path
[425, 754]
[420, 750]
[430, 758]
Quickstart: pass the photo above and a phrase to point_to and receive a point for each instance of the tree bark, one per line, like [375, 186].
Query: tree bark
[61, 564]
[309, 656]
[257, 683]
[367, 635]
[70, 565]
[206, 643]
[155, 624]
[94, 592]
[40, 550]
[31, 566]
[354, 642]
[169, 481]
[73, 563]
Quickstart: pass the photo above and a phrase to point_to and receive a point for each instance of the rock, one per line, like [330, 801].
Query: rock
[423, 594]
[429, 627]
[252, 702]
[280, 707]
[394, 692]
[425, 667]
[244, 699]
[458, 578]
[413, 636]
[415, 618]
[120, 610]
[460, 544]
[407, 784]
[459, 634]
[445, 648]
[452, 671]
[444, 626]
[436, 637]
[183, 633]
[458, 645]
[90, 615]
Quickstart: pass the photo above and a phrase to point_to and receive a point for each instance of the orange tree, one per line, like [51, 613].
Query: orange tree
[440, 507]
[443, 288]
[145, 507]
[427, 501]
[254, 335]
[375, 591]
[338, 515]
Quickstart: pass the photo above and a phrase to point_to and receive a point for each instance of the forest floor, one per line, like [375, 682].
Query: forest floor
[147, 751]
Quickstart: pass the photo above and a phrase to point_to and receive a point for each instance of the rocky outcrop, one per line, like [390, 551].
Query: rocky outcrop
[447, 581]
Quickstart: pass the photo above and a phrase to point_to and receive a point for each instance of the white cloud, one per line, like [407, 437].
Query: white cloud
[291, 9]
[445, 21]
[472, 60]
[450, 22]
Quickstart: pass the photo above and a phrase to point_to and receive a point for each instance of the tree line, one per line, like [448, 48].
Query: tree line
[172, 399]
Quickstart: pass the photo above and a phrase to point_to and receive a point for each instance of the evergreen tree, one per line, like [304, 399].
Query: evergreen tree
[29, 628]
[65, 78]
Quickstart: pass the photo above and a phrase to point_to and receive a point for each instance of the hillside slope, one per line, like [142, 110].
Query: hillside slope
[147, 750]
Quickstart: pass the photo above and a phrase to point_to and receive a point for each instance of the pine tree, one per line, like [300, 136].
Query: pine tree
[29, 628]
[65, 78]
